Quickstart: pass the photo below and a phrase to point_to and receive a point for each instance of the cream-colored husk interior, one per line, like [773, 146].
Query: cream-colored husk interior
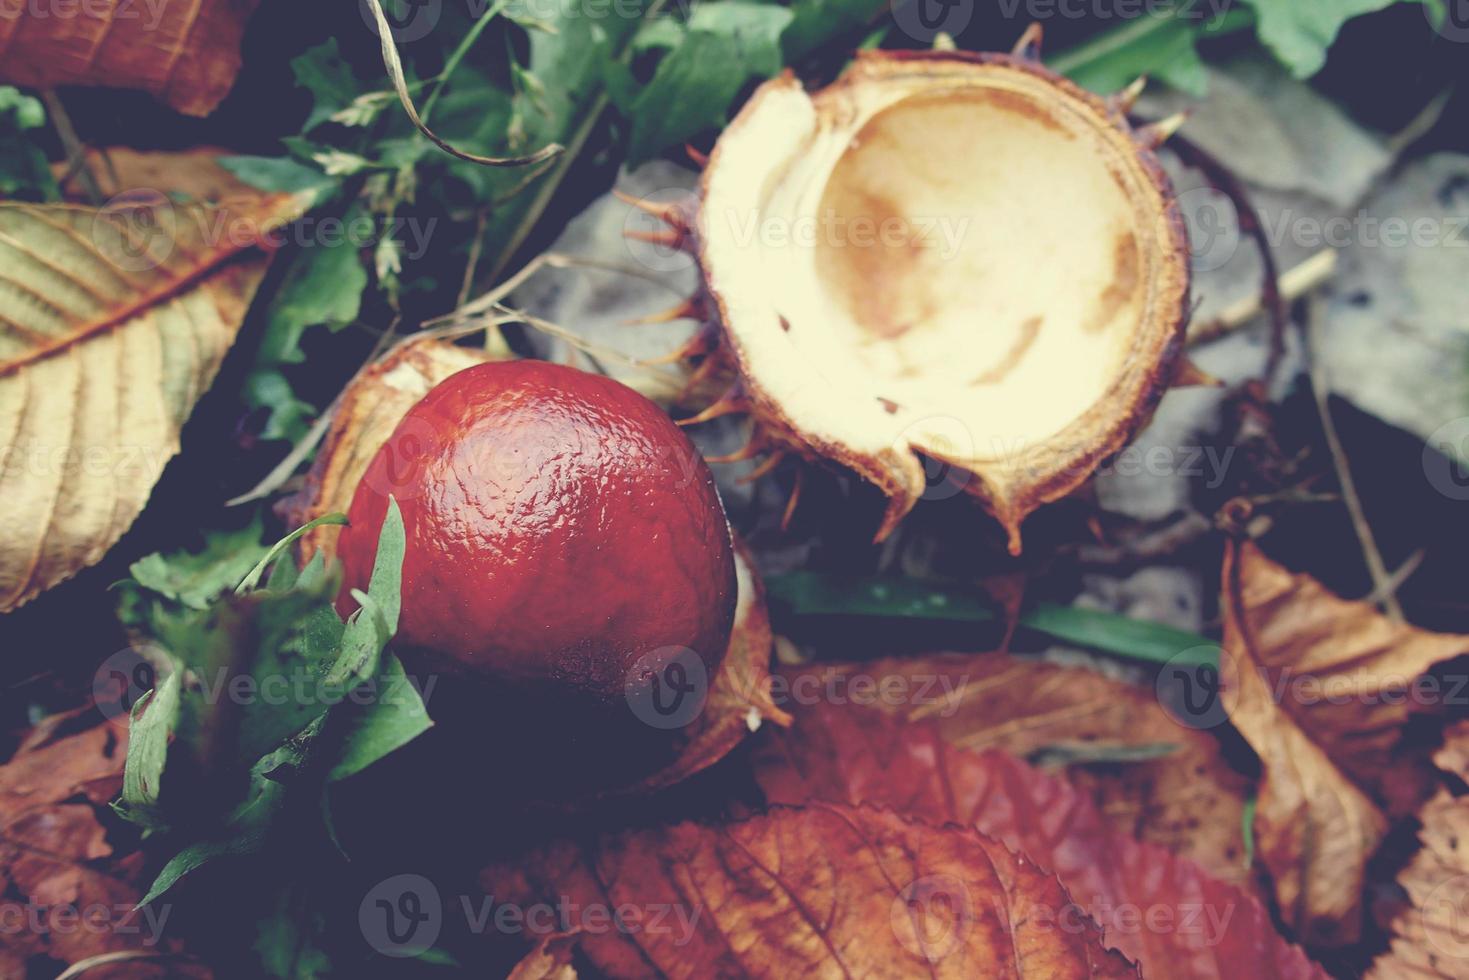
[950, 266]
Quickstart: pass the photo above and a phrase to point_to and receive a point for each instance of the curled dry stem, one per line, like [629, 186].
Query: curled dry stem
[400, 84]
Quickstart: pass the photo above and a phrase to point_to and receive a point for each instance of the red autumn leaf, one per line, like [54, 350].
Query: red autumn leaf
[1188, 800]
[1161, 911]
[821, 891]
[186, 54]
[70, 895]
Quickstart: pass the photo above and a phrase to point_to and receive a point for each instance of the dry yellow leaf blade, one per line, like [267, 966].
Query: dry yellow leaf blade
[113, 323]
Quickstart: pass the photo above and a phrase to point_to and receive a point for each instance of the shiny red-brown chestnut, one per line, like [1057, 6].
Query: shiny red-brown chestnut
[568, 571]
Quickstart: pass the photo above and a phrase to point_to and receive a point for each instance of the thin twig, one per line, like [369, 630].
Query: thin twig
[586, 346]
[76, 150]
[1296, 282]
[546, 260]
[1382, 586]
[476, 249]
[1404, 572]
[1422, 124]
[451, 64]
[120, 956]
[1156, 545]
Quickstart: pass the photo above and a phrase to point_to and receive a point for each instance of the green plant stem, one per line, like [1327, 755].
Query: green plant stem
[458, 55]
[558, 172]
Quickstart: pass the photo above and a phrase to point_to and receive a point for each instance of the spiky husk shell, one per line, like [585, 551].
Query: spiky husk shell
[764, 375]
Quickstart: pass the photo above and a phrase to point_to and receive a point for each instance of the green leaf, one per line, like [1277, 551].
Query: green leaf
[815, 22]
[194, 579]
[810, 593]
[1110, 633]
[1159, 47]
[244, 834]
[154, 718]
[690, 92]
[324, 286]
[24, 170]
[322, 71]
[371, 627]
[287, 416]
[1300, 32]
[395, 717]
[727, 44]
[261, 661]
[252, 579]
[24, 111]
[280, 174]
[314, 572]
[755, 28]
[659, 34]
[289, 940]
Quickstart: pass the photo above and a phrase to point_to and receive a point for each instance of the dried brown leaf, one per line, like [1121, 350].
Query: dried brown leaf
[824, 891]
[1321, 688]
[193, 174]
[1161, 911]
[113, 323]
[1431, 935]
[76, 894]
[1190, 801]
[550, 960]
[185, 54]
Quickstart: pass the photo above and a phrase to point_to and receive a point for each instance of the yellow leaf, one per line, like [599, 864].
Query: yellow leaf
[113, 323]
